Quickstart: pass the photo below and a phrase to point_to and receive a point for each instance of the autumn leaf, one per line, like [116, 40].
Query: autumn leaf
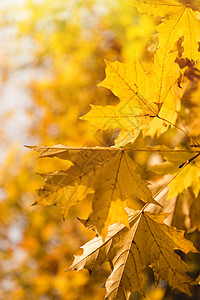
[66, 41]
[147, 100]
[149, 242]
[107, 173]
[187, 167]
[180, 20]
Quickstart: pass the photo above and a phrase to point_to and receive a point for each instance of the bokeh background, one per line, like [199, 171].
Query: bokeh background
[51, 60]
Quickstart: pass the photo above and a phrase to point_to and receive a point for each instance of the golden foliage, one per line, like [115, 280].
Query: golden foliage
[148, 242]
[157, 86]
[180, 21]
[108, 173]
[147, 100]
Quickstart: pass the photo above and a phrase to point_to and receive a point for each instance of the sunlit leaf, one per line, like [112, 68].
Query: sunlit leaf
[147, 100]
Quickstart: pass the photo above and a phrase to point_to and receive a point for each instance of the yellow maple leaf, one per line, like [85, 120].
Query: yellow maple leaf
[187, 176]
[107, 173]
[180, 20]
[147, 100]
[149, 242]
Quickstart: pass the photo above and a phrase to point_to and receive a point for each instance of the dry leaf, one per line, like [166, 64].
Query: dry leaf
[108, 173]
[149, 242]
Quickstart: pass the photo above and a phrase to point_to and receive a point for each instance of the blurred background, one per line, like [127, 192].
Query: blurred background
[51, 60]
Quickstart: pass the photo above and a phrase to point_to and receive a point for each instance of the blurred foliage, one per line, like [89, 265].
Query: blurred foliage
[67, 41]
[72, 41]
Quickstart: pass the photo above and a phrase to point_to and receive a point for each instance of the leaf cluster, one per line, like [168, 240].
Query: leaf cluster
[126, 213]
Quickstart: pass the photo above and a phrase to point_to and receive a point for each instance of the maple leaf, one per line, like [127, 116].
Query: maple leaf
[147, 100]
[180, 20]
[149, 242]
[187, 167]
[107, 173]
